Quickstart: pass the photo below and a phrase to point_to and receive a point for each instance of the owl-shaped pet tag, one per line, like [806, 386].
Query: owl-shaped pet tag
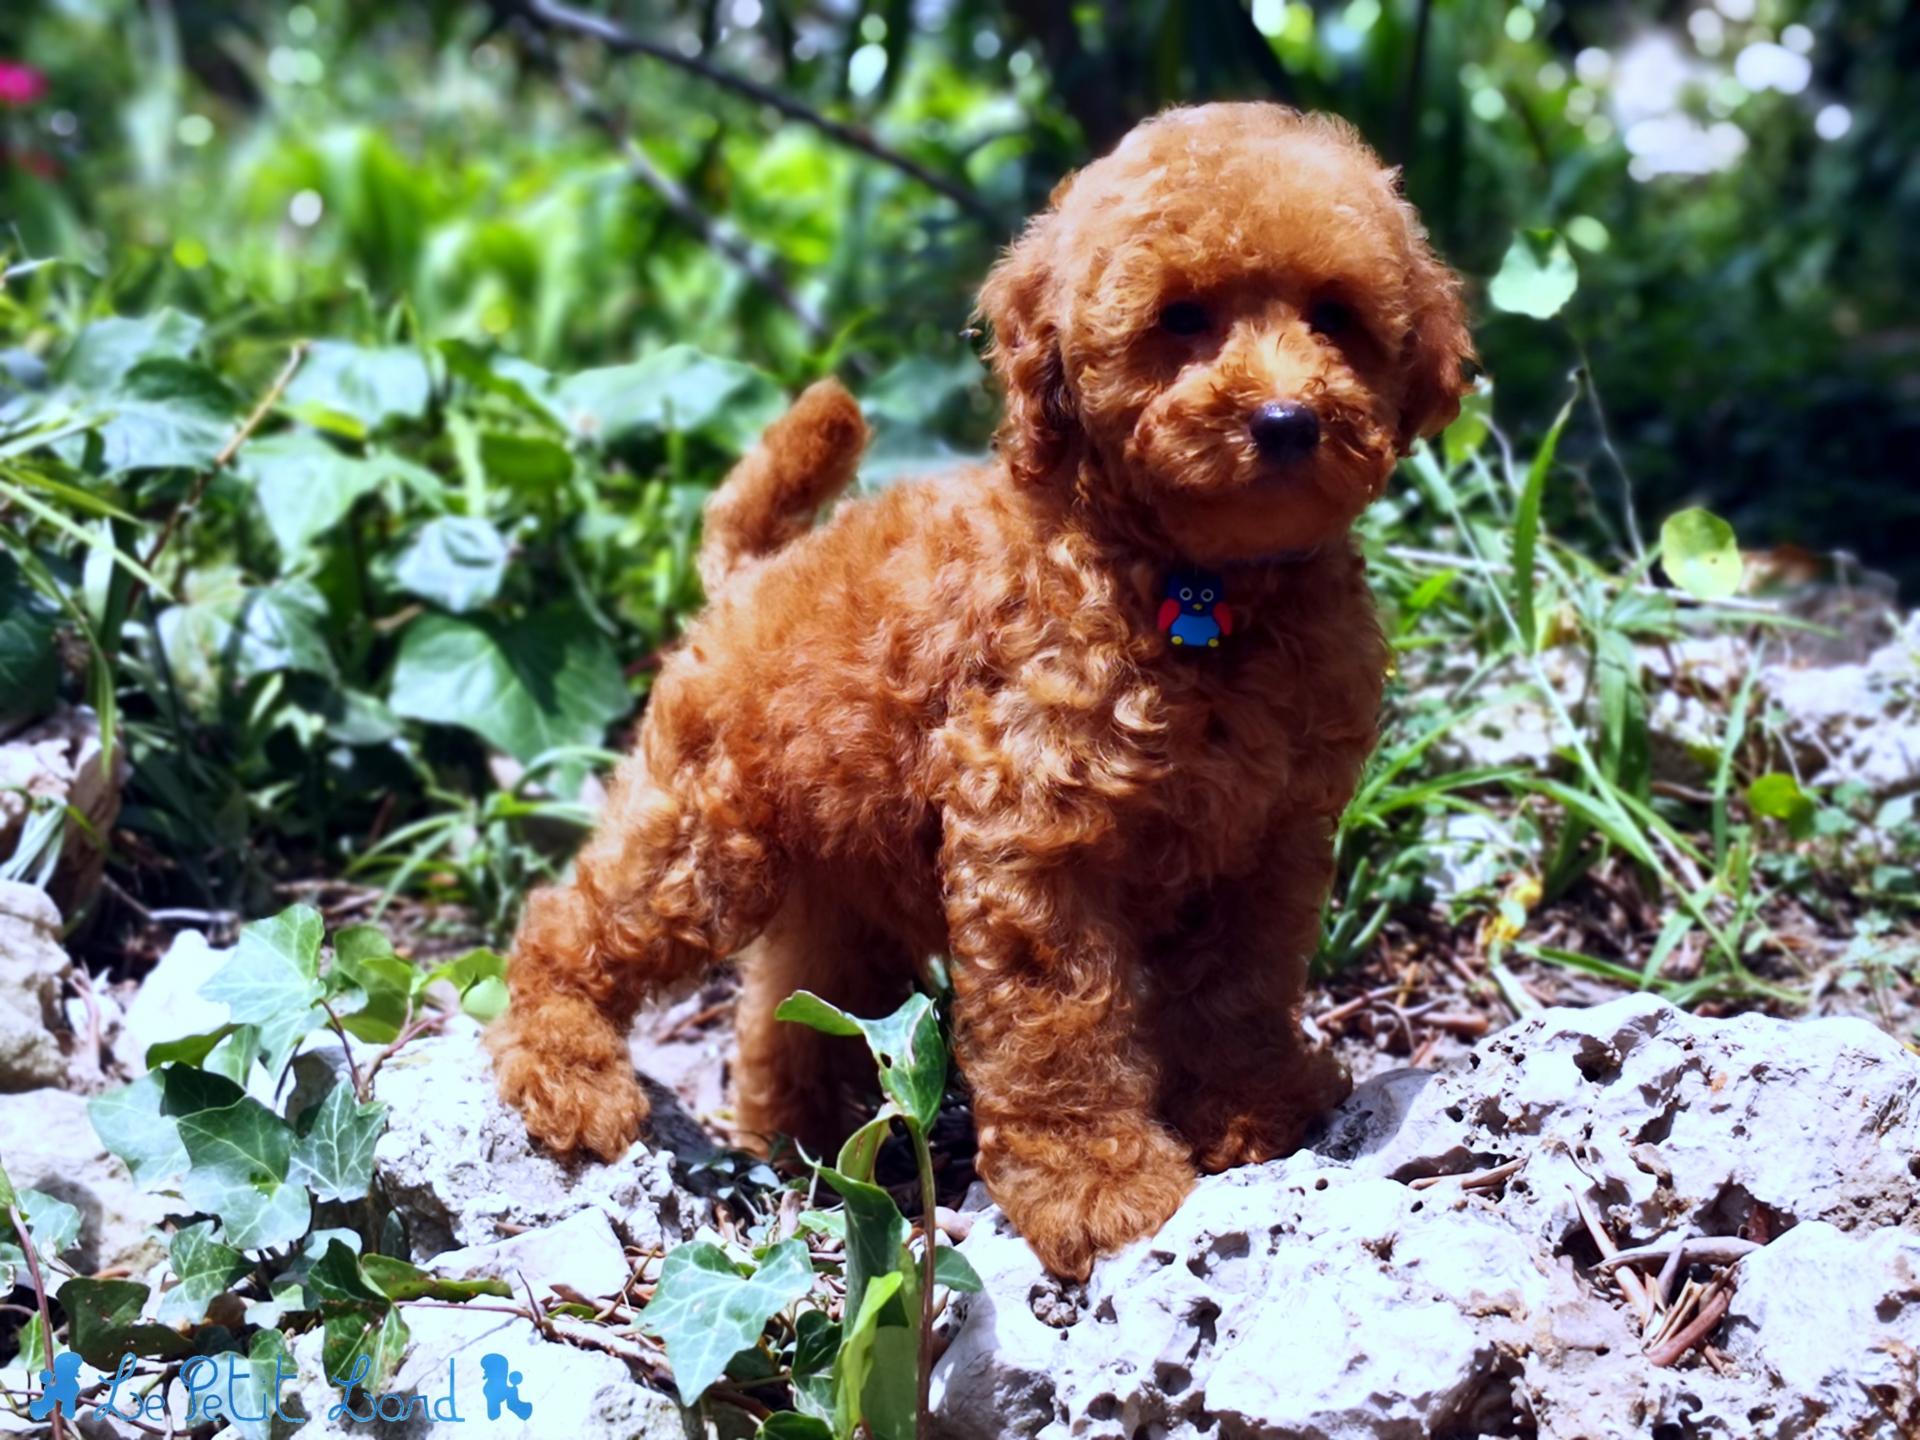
[1193, 616]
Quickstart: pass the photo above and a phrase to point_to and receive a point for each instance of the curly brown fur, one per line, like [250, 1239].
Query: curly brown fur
[947, 720]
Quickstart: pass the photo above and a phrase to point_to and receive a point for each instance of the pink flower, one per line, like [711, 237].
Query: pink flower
[20, 84]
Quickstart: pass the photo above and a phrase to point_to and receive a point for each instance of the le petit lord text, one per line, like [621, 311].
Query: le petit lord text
[208, 1400]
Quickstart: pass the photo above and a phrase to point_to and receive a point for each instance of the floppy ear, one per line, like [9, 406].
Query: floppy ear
[1437, 350]
[1017, 303]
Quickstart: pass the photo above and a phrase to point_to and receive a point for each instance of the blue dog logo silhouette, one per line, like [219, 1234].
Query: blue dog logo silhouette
[60, 1389]
[502, 1387]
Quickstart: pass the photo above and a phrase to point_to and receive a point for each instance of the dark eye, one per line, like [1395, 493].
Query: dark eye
[1329, 318]
[1206, 594]
[1186, 593]
[1185, 317]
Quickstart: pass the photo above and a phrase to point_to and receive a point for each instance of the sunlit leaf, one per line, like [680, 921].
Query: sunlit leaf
[706, 1311]
[239, 1158]
[203, 1268]
[333, 1156]
[1700, 554]
[906, 1044]
[524, 686]
[372, 386]
[456, 561]
[1537, 277]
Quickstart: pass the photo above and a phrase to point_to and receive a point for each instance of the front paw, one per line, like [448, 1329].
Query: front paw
[1073, 1198]
[571, 1097]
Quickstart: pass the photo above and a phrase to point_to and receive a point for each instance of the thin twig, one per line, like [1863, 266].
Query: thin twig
[551, 16]
[1630, 1284]
[1475, 1180]
[1713, 1309]
[220, 462]
[1707, 1249]
[412, 1030]
[346, 1048]
[31, 1251]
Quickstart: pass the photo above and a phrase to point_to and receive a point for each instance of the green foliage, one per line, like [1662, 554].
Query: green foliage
[721, 1311]
[255, 1183]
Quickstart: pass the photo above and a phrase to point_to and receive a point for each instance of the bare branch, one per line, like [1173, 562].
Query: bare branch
[551, 16]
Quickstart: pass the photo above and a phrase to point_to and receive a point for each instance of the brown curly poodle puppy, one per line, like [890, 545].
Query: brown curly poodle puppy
[1082, 719]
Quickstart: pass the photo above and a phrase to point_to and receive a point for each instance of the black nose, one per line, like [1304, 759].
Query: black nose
[1285, 431]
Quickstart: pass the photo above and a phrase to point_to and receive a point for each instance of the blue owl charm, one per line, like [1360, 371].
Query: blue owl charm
[1194, 616]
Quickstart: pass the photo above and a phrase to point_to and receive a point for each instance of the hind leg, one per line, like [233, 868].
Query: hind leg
[677, 876]
[789, 1079]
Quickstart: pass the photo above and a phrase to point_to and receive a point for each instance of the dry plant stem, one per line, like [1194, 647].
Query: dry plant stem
[40, 1297]
[1711, 1249]
[1629, 1283]
[1663, 1285]
[412, 1030]
[1713, 1308]
[1475, 1180]
[346, 1048]
[682, 206]
[220, 462]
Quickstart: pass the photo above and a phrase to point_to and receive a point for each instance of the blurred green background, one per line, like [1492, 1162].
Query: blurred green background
[1738, 183]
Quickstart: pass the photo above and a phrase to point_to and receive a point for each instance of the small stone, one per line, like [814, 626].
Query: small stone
[581, 1253]
[31, 964]
[457, 1163]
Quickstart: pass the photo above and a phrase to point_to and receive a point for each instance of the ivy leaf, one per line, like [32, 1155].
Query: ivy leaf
[107, 349]
[131, 1124]
[524, 687]
[905, 1044]
[456, 561]
[366, 386]
[334, 1155]
[955, 1271]
[379, 1334]
[239, 1157]
[816, 1342]
[375, 984]
[205, 1268]
[51, 1221]
[29, 664]
[103, 1323]
[304, 487]
[1700, 554]
[163, 414]
[480, 977]
[275, 969]
[707, 1312]
[1537, 277]
[336, 1276]
[677, 389]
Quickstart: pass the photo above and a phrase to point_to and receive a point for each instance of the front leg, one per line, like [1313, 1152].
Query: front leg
[1240, 1082]
[1049, 1035]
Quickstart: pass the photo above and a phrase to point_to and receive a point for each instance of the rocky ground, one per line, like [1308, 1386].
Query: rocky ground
[1440, 1262]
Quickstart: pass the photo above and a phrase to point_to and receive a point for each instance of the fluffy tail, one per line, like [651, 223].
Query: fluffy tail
[805, 459]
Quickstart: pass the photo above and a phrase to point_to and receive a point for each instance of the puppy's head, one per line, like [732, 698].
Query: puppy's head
[1237, 319]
